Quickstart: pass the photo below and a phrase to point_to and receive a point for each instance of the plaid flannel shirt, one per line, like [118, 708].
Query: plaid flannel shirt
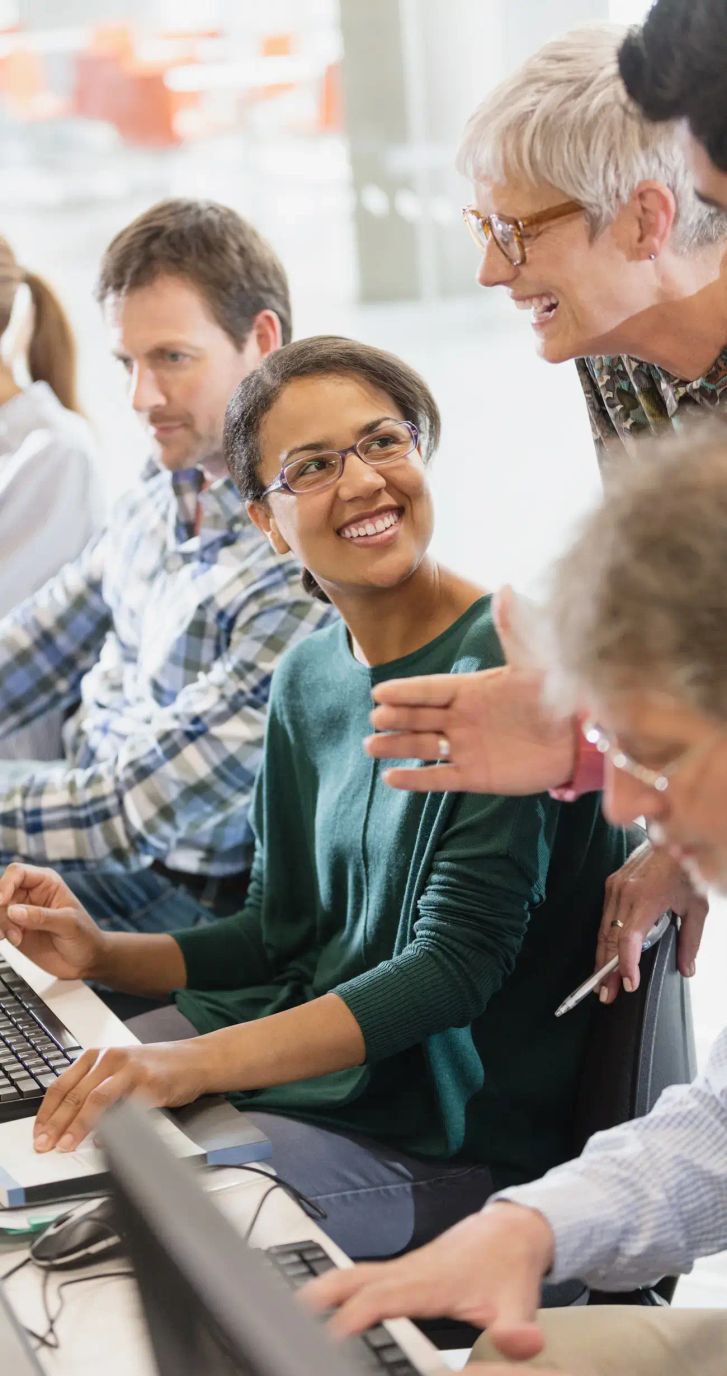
[169, 638]
[647, 1198]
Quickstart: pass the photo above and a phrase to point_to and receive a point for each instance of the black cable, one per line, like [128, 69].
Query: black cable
[311, 1207]
[248, 1231]
[6, 1276]
[17, 1267]
[50, 1337]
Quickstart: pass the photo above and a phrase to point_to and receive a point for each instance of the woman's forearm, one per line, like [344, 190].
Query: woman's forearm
[315, 1039]
[148, 964]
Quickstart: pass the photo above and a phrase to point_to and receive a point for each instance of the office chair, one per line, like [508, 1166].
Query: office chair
[636, 1047]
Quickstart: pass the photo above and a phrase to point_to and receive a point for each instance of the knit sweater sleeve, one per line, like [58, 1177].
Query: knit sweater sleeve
[485, 878]
[231, 951]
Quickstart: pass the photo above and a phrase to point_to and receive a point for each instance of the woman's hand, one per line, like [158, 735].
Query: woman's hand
[499, 736]
[162, 1075]
[486, 1270]
[649, 884]
[41, 917]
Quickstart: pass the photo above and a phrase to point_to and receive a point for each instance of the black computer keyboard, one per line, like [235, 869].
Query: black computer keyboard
[35, 1047]
[375, 1350]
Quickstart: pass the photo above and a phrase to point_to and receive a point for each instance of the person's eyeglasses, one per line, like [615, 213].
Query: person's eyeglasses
[510, 234]
[658, 779]
[390, 441]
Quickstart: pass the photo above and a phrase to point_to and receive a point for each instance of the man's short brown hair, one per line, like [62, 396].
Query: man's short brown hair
[210, 245]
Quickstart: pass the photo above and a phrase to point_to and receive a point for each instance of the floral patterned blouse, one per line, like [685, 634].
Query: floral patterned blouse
[627, 398]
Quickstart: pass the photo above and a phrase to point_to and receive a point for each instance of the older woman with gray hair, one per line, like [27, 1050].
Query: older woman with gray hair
[585, 213]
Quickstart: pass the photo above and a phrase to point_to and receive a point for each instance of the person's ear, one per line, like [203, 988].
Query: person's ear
[266, 333]
[655, 211]
[262, 517]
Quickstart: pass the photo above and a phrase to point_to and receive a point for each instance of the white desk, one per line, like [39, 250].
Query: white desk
[101, 1329]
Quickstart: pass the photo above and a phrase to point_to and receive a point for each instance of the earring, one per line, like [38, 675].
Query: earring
[652, 257]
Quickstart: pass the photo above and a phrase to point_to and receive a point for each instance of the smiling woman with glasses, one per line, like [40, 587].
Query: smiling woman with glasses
[383, 1003]
[312, 470]
[601, 238]
[511, 234]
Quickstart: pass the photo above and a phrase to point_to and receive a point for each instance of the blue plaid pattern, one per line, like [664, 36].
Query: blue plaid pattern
[645, 1199]
[169, 639]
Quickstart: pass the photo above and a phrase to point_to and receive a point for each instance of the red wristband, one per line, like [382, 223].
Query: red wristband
[587, 776]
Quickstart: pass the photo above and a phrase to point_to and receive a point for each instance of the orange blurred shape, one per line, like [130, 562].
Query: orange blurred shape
[146, 111]
[117, 40]
[330, 108]
[114, 84]
[277, 45]
[23, 82]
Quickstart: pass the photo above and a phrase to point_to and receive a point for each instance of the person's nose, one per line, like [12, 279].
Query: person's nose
[359, 479]
[495, 270]
[625, 799]
[144, 391]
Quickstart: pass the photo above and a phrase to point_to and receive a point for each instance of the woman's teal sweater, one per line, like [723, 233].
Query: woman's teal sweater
[452, 925]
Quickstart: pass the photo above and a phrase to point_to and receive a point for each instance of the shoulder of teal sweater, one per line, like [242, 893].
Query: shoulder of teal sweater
[479, 646]
[316, 658]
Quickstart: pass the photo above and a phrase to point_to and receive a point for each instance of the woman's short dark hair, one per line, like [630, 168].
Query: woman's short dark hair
[320, 356]
[673, 67]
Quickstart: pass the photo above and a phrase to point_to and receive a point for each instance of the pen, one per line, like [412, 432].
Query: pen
[572, 1001]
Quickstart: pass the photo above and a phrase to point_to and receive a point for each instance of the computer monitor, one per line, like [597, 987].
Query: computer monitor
[211, 1307]
[16, 1355]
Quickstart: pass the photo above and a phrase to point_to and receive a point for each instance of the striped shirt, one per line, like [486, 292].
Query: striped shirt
[168, 634]
[648, 1198]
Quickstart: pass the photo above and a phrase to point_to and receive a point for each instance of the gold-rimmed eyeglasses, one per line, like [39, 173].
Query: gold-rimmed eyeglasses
[510, 233]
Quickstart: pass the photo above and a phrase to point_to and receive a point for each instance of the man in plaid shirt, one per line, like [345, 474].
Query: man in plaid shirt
[168, 626]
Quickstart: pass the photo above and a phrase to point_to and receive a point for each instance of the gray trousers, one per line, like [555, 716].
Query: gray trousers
[379, 1201]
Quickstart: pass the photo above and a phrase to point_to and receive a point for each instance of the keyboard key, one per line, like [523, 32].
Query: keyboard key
[27, 1088]
[35, 1046]
[378, 1337]
[376, 1350]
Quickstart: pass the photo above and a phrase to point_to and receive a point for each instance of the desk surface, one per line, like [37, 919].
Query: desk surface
[101, 1328]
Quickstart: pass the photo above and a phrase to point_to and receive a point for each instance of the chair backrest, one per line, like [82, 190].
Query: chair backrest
[637, 1046]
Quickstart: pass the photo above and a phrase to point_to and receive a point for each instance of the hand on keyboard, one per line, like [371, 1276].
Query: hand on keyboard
[486, 1271]
[41, 917]
[162, 1075]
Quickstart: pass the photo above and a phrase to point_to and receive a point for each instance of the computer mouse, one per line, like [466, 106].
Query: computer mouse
[80, 1237]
